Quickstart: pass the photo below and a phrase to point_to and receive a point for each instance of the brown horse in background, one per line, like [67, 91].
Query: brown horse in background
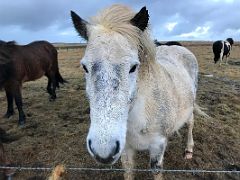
[19, 64]
[168, 43]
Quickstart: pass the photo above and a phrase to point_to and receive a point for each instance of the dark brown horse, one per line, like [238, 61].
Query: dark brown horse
[19, 64]
[169, 43]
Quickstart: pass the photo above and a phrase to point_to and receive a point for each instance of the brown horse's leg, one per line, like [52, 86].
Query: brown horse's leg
[10, 110]
[49, 88]
[19, 104]
[54, 85]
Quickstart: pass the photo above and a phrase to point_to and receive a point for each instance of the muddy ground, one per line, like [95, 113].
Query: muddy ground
[55, 132]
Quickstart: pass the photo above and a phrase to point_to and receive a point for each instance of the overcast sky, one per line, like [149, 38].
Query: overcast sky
[29, 20]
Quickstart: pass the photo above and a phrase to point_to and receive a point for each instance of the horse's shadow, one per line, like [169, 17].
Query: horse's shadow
[234, 63]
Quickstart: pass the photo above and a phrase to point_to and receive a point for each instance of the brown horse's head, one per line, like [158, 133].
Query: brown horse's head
[2, 76]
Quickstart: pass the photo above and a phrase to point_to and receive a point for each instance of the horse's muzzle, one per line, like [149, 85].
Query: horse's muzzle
[108, 160]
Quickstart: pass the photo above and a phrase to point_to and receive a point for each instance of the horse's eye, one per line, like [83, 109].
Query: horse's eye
[133, 69]
[85, 68]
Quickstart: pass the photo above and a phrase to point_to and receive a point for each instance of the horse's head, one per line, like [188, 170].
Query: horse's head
[111, 64]
[6, 65]
[230, 40]
[4, 74]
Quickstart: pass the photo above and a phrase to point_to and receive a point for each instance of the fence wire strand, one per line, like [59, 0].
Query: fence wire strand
[194, 171]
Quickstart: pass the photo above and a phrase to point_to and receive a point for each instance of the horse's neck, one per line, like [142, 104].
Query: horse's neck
[149, 72]
[151, 79]
[150, 97]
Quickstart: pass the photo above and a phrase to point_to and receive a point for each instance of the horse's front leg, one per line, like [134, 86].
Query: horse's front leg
[227, 58]
[10, 110]
[157, 150]
[221, 59]
[190, 142]
[127, 159]
[19, 104]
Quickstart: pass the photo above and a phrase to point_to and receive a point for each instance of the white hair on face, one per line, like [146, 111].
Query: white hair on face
[117, 19]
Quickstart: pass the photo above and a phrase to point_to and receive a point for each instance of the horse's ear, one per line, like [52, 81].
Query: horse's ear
[80, 25]
[140, 20]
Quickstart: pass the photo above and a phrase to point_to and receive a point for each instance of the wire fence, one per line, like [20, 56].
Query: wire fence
[194, 171]
[80, 169]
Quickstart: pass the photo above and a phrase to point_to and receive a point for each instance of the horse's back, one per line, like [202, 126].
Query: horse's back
[42, 51]
[34, 60]
[40, 43]
[44, 46]
[178, 74]
[180, 61]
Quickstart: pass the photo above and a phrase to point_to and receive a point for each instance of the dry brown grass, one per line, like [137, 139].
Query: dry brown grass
[55, 131]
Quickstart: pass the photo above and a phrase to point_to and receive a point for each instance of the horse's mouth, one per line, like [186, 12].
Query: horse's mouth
[109, 161]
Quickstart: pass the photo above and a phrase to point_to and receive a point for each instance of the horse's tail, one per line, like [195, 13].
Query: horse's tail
[217, 48]
[199, 110]
[59, 79]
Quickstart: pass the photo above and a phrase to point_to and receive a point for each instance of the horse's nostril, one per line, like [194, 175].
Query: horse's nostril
[104, 158]
[89, 145]
[117, 149]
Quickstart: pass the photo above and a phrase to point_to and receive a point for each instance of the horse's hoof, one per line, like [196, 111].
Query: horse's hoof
[8, 115]
[155, 166]
[52, 99]
[188, 154]
[21, 123]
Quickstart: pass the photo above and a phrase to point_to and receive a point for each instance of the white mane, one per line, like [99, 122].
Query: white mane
[117, 18]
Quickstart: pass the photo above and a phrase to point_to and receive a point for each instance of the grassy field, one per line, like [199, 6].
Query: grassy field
[56, 131]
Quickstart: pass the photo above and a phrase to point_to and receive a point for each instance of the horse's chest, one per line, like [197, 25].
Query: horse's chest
[226, 49]
[139, 136]
[139, 139]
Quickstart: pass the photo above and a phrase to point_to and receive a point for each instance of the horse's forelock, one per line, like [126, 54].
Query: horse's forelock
[117, 18]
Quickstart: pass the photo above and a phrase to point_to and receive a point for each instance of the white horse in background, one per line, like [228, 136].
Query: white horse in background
[139, 94]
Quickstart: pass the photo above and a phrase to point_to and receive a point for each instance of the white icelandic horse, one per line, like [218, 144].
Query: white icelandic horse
[139, 94]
